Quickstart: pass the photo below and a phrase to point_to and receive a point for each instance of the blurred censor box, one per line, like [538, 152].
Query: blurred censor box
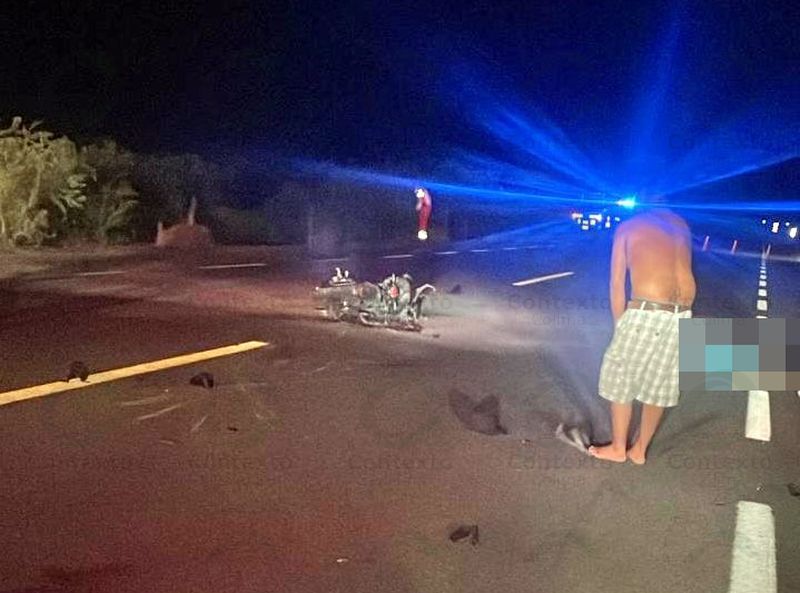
[739, 354]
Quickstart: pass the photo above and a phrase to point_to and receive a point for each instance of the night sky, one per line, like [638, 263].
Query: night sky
[371, 82]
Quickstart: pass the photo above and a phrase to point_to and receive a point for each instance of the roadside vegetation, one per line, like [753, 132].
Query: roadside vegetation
[55, 192]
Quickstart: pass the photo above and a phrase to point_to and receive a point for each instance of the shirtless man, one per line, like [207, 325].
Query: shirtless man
[642, 360]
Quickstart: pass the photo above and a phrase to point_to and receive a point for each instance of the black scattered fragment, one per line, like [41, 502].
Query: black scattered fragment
[794, 488]
[482, 416]
[203, 380]
[462, 532]
[78, 370]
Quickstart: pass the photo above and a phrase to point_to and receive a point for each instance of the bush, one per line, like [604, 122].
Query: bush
[40, 176]
[111, 198]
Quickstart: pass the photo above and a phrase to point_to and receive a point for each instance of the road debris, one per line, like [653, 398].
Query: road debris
[203, 380]
[196, 426]
[574, 437]
[78, 370]
[342, 560]
[160, 412]
[794, 488]
[482, 416]
[462, 532]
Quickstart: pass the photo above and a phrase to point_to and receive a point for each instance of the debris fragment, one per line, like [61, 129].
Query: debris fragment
[794, 488]
[574, 437]
[166, 410]
[482, 416]
[463, 532]
[78, 370]
[203, 380]
[342, 560]
[196, 426]
[233, 428]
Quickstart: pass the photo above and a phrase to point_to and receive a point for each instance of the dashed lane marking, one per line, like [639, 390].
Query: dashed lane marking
[479, 251]
[754, 565]
[399, 256]
[232, 266]
[542, 279]
[446, 252]
[106, 273]
[762, 283]
[17, 395]
[762, 292]
[761, 305]
[758, 426]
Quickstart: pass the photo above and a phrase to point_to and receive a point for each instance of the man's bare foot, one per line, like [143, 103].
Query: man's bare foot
[636, 455]
[608, 453]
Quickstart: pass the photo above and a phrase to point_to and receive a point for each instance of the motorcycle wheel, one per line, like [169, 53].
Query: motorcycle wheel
[368, 320]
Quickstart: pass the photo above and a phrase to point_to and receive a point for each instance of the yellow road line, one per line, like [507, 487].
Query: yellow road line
[9, 397]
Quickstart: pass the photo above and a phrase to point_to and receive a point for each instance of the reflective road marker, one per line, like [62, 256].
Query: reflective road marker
[9, 397]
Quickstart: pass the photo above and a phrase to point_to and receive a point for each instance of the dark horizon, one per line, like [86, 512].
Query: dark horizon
[635, 88]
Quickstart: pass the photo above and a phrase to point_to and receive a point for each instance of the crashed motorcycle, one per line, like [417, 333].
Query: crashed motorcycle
[393, 302]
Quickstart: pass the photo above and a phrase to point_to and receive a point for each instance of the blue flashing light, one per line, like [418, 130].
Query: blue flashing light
[627, 202]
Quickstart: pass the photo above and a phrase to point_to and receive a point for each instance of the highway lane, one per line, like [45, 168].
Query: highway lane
[331, 461]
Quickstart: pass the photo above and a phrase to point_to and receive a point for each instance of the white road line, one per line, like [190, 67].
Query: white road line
[762, 292]
[761, 305]
[400, 256]
[510, 248]
[542, 279]
[479, 251]
[762, 283]
[758, 426]
[331, 259]
[106, 273]
[761, 317]
[753, 564]
[10, 397]
[531, 247]
[446, 252]
[231, 266]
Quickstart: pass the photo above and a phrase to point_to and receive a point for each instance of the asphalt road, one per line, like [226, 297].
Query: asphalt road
[330, 460]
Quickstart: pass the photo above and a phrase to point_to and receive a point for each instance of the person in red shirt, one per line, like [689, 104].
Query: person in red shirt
[424, 206]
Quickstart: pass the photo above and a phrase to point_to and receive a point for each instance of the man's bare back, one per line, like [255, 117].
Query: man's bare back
[655, 249]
